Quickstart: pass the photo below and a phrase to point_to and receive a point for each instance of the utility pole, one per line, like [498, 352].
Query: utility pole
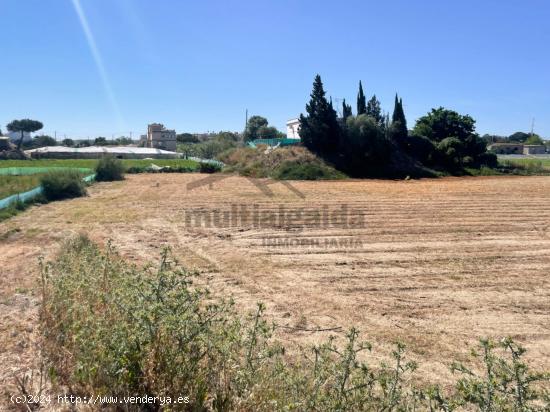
[245, 123]
[532, 126]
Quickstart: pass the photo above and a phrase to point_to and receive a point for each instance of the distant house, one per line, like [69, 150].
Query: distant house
[534, 149]
[506, 148]
[293, 129]
[158, 137]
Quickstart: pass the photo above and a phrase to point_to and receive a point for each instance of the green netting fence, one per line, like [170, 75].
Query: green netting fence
[31, 194]
[25, 171]
[274, 142]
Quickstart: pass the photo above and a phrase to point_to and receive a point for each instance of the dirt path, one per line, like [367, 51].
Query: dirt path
[434, 263]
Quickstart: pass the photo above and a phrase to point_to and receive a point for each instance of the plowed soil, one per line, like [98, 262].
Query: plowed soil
[434, 263]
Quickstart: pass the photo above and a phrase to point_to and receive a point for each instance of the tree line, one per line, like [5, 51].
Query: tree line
[370, 143]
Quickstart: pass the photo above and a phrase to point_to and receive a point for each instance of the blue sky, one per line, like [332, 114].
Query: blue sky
[198, 65]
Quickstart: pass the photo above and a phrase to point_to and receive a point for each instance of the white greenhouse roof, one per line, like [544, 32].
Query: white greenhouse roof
[101, 149]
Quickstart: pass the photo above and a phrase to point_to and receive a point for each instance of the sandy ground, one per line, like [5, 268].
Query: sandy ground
[435, 264]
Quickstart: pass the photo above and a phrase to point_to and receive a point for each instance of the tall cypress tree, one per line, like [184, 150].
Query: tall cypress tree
[361, 101]
[346, 110]
[398, 128]
[319, 130]
[373, 110]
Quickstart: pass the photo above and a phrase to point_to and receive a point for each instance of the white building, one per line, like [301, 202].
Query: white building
[159, 137]
[293, 129]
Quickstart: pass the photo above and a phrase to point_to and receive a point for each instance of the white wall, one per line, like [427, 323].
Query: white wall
[292, 127]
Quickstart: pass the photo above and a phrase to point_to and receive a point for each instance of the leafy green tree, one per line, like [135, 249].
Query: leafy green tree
[187, 138]
[319, 130]
[398, 128]
[451, 151]
[43, 140]
[534, 139]
[375, 111]
[123, 141]
[493, 138]
[228, 137]
[346, 110]
[364, 147]
[100, 141]
[361, 101]
[22, 126]
[252, 127]
[268, 132]
[445, 128]
[518, 137]
[441, 123]
[68, 142]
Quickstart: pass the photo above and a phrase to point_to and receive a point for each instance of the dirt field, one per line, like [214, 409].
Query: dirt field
[433, 263]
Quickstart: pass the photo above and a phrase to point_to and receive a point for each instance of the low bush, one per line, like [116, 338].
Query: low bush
[420, 148]
[109, 169]
[111, 328]
[488, 160]
[206, 167]
[62, 185]
[305, 171]
[292, 162]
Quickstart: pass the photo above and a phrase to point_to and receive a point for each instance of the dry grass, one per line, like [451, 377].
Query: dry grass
[440, 262]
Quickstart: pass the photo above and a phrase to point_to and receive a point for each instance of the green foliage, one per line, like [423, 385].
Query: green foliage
[457, 142]
[291, 162]
[11, 185]
[450, 152]
[361, 101]
[187, 138]
[101, 141]
[62, 185]
[442, 123]
[269, 132]
[346, 110]
[518, 137]
[364, 147]
[487, 159]
[319, 130]
[505, 384]
[398, 131]
[205, 167]
[211, 148]
[305, 171]
[122, 330]
[534, 139]
[131, 165]
[40, 141]
[421, 148]
[17, 207]
[22, 126]
[109, 169]
[253, 126]
[68, 142]
[375, 111]
[525, 167]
